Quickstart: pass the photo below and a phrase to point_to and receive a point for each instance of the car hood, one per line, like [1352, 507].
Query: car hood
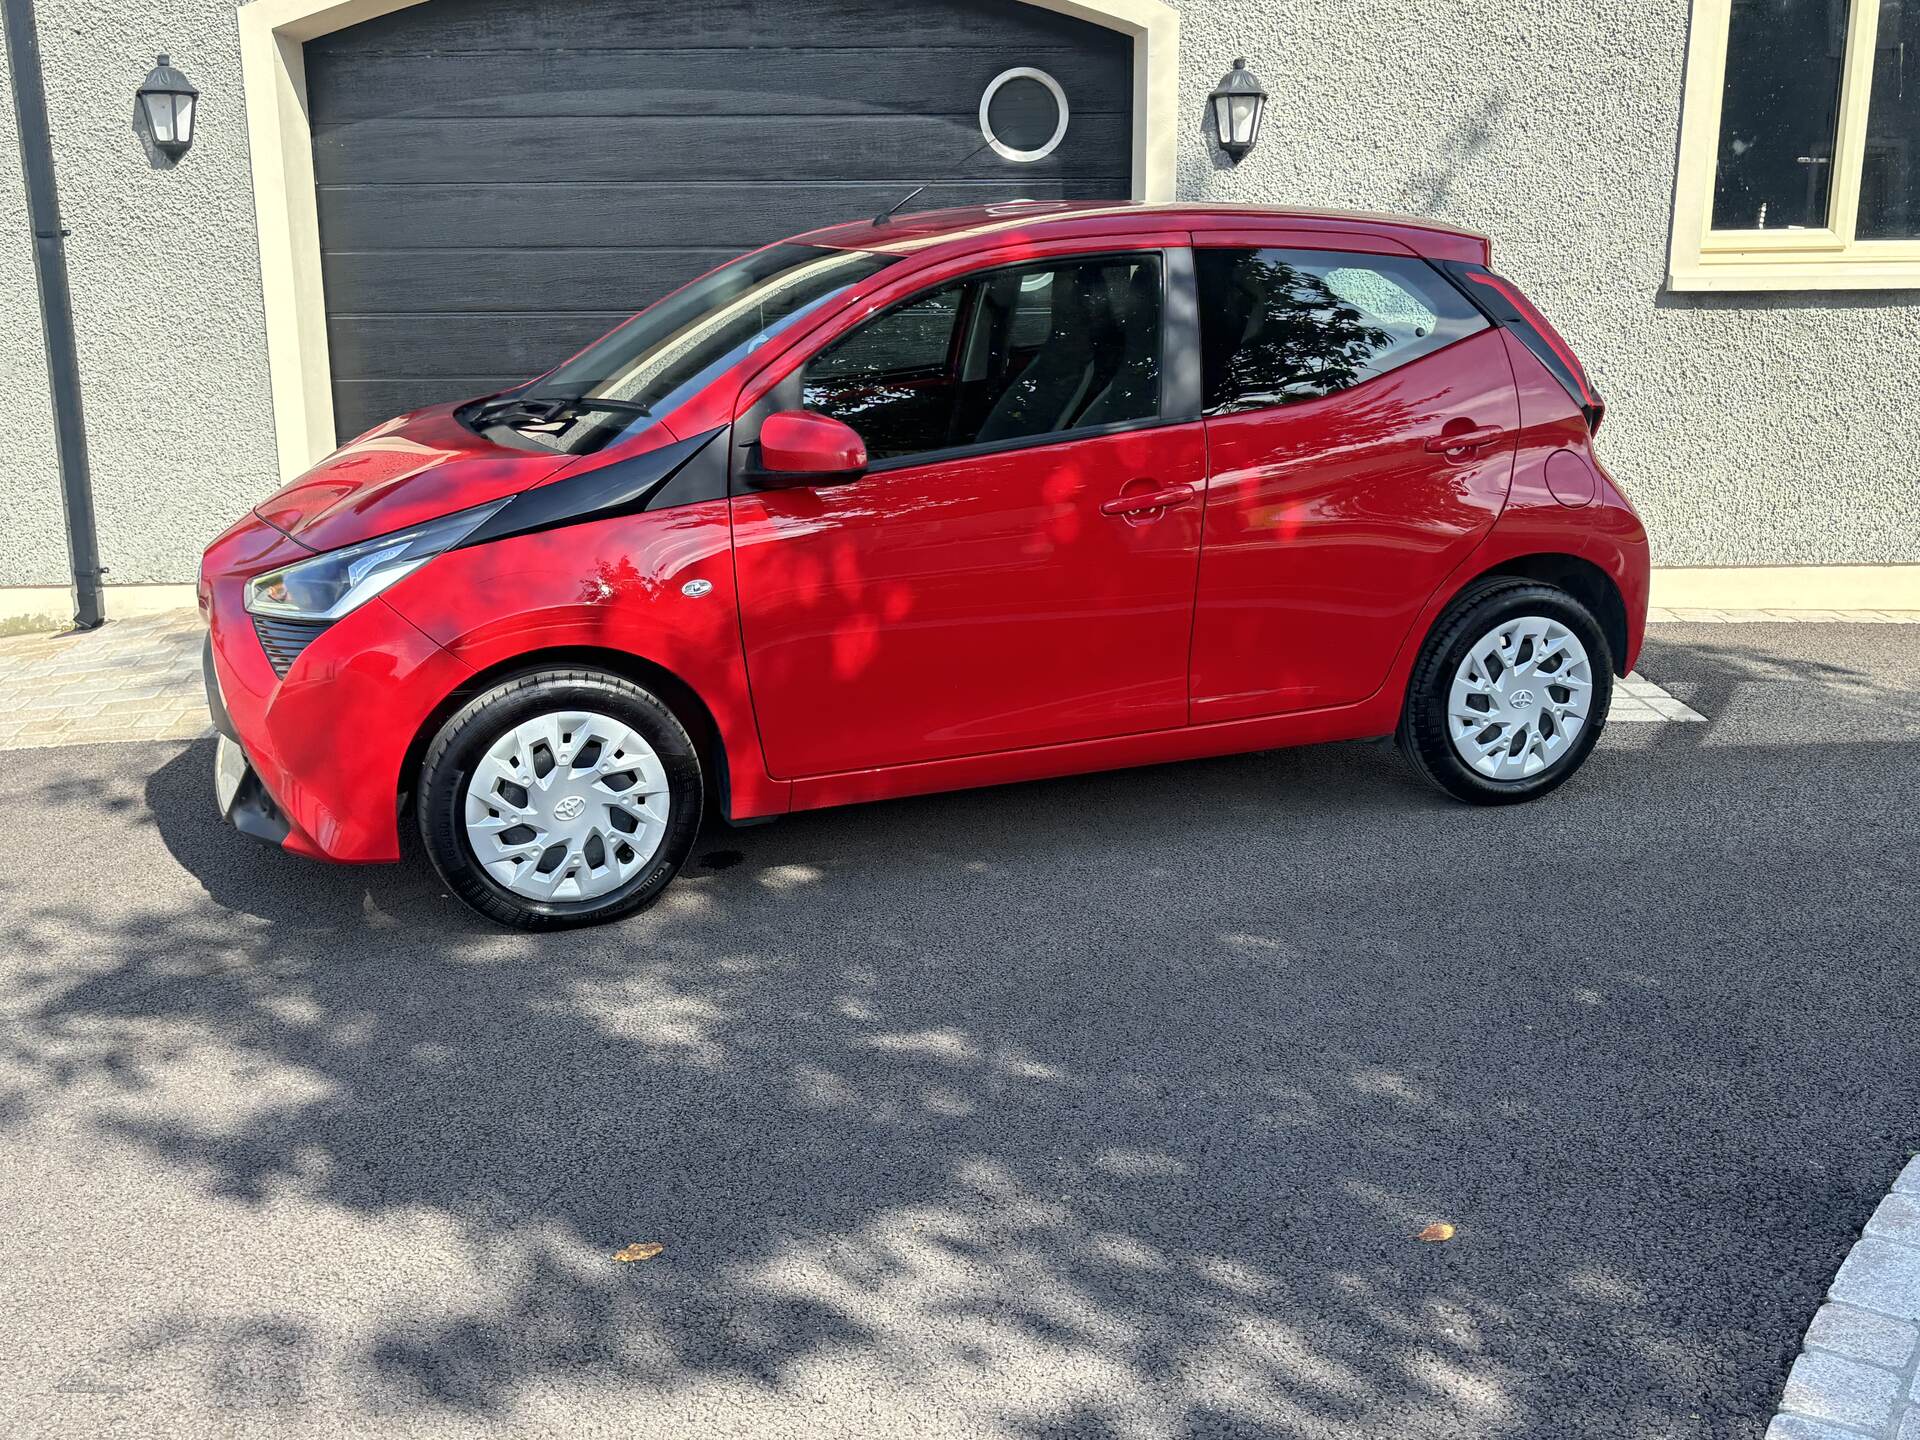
[404, 473]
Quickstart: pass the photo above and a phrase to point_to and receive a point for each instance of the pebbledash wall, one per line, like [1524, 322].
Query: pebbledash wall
[1753, 430]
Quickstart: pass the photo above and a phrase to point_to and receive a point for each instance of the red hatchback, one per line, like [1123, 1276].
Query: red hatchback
[952, 500]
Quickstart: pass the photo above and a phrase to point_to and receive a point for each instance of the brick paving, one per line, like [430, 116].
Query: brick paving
[129, 680]
[1859, 1373]
[1637, 700]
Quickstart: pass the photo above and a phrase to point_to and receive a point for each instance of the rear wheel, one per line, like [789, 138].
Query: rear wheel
[1509, 695]
[560, 798]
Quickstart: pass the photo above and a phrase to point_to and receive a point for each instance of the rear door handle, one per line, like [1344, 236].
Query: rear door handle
[1464, 439]
[1148, 500]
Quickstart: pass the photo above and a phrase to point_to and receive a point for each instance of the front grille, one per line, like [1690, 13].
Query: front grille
[283, 640]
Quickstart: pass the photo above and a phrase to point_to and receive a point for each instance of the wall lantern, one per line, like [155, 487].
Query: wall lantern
[168, 98]
[1239, 105]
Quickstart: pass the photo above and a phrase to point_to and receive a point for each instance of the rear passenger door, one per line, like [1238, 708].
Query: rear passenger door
[1360, 419]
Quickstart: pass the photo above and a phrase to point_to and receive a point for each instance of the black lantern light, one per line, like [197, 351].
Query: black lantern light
[168, 100]
[1239, 105]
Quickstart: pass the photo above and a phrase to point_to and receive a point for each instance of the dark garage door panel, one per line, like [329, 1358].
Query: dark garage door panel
[491, 26]
[389, 84]
[640, 216]
[502, 180]
[698, 149]
[532, 278]
[455, 346]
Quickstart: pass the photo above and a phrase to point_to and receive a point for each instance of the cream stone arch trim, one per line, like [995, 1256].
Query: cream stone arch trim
[273, 36]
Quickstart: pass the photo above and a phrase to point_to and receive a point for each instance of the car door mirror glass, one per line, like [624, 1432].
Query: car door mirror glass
[799, 447]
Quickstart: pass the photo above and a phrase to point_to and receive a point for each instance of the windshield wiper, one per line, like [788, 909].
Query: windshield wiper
[547, 409]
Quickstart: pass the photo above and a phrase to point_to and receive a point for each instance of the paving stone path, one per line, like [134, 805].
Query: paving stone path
[1859, 1373]
[130, 680]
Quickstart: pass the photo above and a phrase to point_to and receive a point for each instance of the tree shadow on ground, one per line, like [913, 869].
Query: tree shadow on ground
[1096, 1107]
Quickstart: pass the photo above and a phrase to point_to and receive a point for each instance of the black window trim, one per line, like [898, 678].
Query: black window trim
[1179, 361]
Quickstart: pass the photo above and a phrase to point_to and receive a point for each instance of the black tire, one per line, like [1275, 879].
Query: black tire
[463, 742]
[1423, 737]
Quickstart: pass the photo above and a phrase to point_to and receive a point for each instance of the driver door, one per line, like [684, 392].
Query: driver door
[992, 582]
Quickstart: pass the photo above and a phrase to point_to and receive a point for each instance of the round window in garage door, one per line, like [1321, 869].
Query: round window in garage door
[1024, 114]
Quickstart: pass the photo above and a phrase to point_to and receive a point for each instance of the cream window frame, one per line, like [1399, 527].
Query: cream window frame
[1831, 258]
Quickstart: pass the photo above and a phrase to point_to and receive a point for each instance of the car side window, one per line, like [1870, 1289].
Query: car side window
[1280, 326]
[912, 340]
[891, 379]
[1011, 354]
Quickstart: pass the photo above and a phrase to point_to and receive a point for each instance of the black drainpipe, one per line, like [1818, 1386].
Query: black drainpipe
[56, 310]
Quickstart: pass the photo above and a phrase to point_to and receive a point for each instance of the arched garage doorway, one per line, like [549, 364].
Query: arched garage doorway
[486, 184]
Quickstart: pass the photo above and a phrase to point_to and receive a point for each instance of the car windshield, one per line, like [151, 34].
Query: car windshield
[669, 351]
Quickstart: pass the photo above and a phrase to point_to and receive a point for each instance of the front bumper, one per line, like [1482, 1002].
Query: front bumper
[323, 746]
[237, 789]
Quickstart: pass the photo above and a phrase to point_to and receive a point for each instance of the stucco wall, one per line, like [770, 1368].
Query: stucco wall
[32, 542]
[1749, 429]
[166, 297]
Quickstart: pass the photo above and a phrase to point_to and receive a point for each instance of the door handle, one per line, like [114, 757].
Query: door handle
[1148, 500]
[1449, 440]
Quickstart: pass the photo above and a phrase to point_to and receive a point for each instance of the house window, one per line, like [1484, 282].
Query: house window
[1800, 147]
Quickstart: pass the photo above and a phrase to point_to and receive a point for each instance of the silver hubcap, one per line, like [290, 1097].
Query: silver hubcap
[567, 806]
[1520, 699]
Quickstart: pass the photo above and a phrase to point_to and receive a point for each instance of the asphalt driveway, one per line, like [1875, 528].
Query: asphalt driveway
[1100, 1107]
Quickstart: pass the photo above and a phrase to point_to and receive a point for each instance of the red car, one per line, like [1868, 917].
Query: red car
[949, 500]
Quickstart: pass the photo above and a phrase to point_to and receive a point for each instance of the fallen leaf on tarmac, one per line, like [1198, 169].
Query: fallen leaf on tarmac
[639, 1250]
[1437, 1232]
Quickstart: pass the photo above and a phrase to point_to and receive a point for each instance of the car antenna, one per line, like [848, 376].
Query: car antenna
[887, 214]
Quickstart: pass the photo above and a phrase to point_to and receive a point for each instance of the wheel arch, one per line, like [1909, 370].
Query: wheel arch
[686, 703]
[1582, 579]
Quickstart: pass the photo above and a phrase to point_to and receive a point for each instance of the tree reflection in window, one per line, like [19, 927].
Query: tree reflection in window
[1281, 326]
[1286, 336]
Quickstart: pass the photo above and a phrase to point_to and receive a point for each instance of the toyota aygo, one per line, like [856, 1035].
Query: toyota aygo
[940, 501]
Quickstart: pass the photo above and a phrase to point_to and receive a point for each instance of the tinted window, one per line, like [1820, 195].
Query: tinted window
[1777, 114]
[915, 339]
[1008, 355]
[1278, 326]
[1890, 180]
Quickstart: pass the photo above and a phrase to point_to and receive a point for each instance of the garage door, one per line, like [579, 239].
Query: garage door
[502, 180]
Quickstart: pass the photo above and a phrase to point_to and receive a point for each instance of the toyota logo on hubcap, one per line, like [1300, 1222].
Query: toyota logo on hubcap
[569, 808]
[1520, 699]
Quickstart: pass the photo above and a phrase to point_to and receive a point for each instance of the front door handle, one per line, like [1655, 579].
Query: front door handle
[1450, 440]
[1148, 500]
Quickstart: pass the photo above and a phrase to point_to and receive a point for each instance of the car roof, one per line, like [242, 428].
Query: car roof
[1063, 219]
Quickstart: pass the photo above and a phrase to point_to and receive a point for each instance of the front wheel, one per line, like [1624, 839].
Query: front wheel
[560, 798]
[1509, 695]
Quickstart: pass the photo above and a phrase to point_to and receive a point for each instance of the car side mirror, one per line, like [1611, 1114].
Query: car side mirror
[799, 447]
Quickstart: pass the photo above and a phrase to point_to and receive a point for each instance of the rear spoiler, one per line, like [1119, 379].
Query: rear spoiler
[1500, 300]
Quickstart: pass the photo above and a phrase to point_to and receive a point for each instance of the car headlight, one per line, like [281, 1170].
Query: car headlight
[330, 585]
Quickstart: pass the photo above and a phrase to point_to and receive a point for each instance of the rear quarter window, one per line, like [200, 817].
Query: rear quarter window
[1281, 326]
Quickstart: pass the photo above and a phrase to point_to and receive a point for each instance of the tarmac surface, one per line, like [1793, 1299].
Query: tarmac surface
[1099, 1107]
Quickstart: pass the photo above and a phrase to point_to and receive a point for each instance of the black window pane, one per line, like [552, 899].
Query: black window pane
[1040, 350]
[1777, 114]
[1279, 326]
[891, 379]
[1099, 363]
[1890, 178]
